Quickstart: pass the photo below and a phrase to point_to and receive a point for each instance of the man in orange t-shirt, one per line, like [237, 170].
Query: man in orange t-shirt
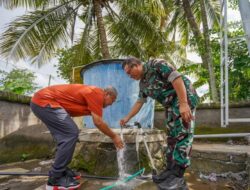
[55, 105]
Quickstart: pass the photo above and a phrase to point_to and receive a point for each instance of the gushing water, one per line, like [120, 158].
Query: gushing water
[122, 184]
[121, 159]
[121, 164]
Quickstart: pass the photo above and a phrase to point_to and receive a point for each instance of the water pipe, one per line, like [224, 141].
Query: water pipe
[46, 174]
[223, 135]
[30, 174]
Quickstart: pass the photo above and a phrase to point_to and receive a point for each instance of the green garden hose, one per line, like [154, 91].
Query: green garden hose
[124, 180]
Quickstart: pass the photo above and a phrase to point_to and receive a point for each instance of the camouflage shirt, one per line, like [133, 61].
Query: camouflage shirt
[157, 83]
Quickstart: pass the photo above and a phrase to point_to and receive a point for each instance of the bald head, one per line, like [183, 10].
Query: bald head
[111, 91]
[110, 94]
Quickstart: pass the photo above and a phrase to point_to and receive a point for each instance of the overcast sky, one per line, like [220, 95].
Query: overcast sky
[43, 72]
[49, 69]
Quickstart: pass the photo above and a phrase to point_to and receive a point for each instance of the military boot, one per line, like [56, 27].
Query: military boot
[175, 179]
[164, 174]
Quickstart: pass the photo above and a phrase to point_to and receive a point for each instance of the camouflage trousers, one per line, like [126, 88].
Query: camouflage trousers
[180, 137]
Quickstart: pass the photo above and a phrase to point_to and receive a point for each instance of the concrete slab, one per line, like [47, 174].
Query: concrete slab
[129, 135]
[222, 148]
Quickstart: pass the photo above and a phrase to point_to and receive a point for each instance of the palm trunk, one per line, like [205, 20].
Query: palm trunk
[201, 43]
[101, 29]
[208, 52]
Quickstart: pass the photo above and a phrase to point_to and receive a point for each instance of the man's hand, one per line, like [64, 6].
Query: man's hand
[118, 142]
[135, 109]
[185, 112]
[103, 127]
[124, 120]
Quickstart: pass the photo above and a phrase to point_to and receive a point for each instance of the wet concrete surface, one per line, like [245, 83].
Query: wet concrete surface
[38, 182]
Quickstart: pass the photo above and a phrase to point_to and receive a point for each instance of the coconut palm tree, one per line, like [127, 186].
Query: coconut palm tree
[187, 18]
[107, 29]
[208, 51]
[202, 40]
[51, 24]
[134, 28]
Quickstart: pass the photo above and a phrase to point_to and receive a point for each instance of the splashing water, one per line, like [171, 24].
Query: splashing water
[121, 159]
[122, 165]
[124, 184]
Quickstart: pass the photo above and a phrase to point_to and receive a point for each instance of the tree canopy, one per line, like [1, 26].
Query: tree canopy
[18, 81]
[117, 29]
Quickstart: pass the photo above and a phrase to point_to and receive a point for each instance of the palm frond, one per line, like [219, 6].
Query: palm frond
[55, 39]
[26, 35]
[29, 4]
[84, 48]
[123, 40]
[177, 21]
[213, 11]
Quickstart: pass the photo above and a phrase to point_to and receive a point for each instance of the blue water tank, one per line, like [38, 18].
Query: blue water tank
[109, 72]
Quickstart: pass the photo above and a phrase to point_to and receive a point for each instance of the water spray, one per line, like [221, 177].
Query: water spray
[143, 135]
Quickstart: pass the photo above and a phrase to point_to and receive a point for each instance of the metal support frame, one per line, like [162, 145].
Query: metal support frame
[224, 90]
[230, 135]
[224, 64]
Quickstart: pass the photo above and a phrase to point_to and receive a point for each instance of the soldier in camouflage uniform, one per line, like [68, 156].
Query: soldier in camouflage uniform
[160, 81]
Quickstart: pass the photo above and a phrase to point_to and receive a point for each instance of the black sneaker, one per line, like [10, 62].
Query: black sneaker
[71, 173]
[62, 183]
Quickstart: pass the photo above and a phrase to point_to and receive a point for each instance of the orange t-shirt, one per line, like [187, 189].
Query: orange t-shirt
[76, 99]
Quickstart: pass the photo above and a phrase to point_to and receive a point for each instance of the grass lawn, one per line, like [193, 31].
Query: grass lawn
[203, 130]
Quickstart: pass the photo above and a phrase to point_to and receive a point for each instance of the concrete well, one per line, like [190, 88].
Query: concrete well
[97, 154]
